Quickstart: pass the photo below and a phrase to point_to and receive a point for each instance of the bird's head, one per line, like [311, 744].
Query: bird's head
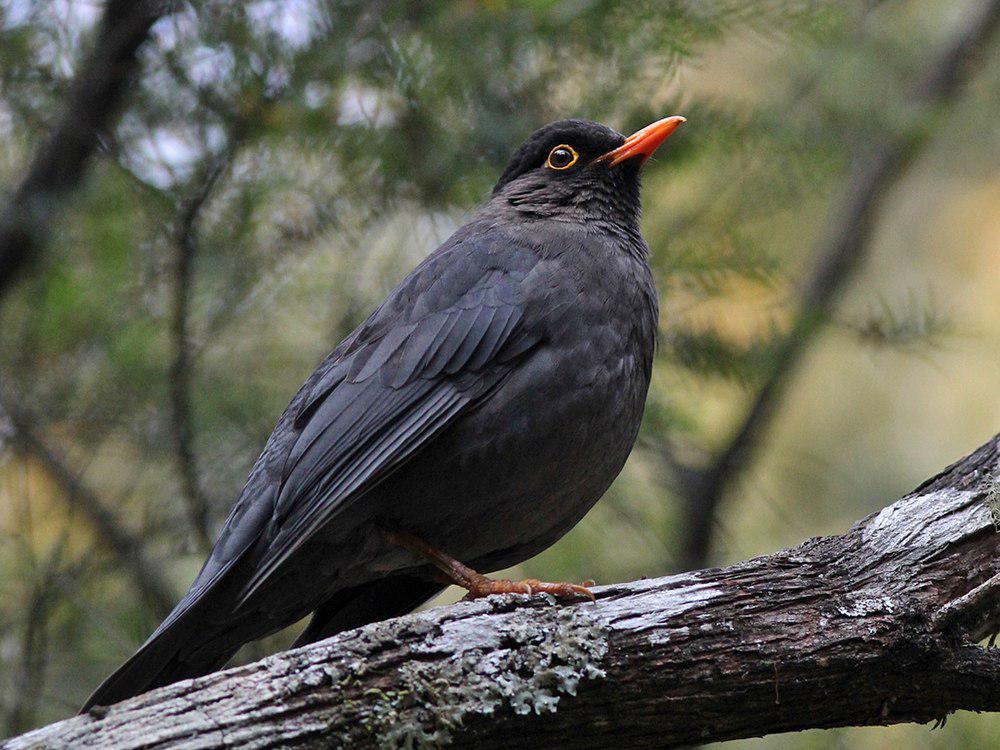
[579, 170]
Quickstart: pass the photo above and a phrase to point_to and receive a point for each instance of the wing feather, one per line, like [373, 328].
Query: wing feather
[392, 388]
[379, 458]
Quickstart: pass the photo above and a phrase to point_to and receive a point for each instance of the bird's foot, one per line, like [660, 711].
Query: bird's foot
[478, 585]
[484, 586]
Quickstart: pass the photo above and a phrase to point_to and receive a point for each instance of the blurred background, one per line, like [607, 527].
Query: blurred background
[825, 234]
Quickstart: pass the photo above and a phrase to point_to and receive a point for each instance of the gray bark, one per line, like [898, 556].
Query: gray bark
[874, 627]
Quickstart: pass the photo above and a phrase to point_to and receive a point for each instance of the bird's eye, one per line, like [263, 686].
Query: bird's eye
[562, 157]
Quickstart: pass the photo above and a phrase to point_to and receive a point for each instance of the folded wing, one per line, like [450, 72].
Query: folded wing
[405, 376]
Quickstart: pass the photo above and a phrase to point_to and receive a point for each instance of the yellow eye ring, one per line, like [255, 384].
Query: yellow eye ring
[558, 155]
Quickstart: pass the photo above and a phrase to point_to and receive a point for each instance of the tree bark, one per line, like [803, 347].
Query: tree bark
[877, 626]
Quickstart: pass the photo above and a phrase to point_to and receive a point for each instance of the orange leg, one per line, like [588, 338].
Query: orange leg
[479, 585]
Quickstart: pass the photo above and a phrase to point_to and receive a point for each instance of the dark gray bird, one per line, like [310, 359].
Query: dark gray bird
[472, 420]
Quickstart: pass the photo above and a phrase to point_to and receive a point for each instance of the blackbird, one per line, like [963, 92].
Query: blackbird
[469, 423]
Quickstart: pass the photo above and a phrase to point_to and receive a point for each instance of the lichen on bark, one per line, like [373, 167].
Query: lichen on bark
[526, 669]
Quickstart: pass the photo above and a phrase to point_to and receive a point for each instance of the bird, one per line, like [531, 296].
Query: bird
[470, 422]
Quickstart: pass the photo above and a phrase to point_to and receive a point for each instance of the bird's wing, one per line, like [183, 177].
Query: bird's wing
[441, 342]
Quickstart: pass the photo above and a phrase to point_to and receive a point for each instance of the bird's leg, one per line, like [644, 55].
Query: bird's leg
[477, 584]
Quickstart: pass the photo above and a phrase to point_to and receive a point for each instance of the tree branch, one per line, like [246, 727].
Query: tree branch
[33, 654]
[877, 168]
[181, 428]
[114, 535]
[61, 161]
[840, 631]
[186, 241]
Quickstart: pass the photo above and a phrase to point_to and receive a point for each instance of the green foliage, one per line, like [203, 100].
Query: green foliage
[916, 325]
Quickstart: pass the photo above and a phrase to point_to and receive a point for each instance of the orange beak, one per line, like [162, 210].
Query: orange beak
[644, 142]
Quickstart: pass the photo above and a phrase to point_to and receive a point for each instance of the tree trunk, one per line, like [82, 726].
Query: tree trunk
[877, 626]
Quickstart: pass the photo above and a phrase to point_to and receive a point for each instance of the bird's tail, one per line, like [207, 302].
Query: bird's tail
[165, 658]
[183, 647]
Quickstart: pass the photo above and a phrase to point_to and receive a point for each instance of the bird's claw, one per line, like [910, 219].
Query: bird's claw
[529, 586]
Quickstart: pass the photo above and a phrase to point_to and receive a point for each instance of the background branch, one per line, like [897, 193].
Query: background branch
[877, 168]
[839, 631]
[110, 530]
[181, 424]
[61, 161]
[33, 652]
